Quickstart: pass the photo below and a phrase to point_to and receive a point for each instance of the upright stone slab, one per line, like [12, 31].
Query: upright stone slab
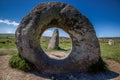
[111, 42]
[85, 46]
[54, 41]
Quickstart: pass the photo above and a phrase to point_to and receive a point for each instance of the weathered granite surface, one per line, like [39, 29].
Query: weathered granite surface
[85, 45]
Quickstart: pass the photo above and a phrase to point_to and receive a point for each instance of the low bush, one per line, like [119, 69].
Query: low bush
[18, 62]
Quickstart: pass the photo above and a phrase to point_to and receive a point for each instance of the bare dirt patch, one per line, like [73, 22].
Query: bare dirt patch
[8, 73]
[57, 55]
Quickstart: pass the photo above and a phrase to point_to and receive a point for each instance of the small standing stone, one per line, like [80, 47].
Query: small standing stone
[111, 42]
[54, 41]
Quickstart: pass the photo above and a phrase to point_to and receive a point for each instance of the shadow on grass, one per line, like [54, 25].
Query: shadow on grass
[79, 76]
[60, 49]
[97, 72]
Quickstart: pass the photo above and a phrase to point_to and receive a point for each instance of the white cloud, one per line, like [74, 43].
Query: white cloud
[9, 22]
[9, 31]
[48, 33]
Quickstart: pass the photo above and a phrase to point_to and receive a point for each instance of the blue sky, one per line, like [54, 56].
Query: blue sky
[103, 14]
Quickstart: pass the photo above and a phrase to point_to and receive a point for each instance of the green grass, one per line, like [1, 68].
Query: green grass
[7, 41]
[8, 46]
[65, 46]
[110, 52]
[18, 62]
[7, 51]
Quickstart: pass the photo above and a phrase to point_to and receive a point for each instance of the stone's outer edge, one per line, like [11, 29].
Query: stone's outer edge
[85, 46]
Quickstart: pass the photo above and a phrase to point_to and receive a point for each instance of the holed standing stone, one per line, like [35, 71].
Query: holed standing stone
[85, 46]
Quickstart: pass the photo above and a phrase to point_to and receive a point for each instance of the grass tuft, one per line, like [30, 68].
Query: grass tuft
[17, 62]
[110, 52]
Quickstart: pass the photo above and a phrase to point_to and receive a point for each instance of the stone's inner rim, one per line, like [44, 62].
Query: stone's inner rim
[74, 38]
[68, 53]
[35, 39]
[65, 30]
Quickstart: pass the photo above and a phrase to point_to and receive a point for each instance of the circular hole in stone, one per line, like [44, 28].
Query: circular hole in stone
[56, 43]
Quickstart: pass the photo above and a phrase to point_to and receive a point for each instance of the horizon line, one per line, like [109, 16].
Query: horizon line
[68, 37]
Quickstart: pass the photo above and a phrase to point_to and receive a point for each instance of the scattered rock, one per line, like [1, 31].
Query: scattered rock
[111, 42]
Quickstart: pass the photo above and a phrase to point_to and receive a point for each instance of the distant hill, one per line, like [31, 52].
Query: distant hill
[7, 36]
[109, 38]
[12, 36]
[47, 38]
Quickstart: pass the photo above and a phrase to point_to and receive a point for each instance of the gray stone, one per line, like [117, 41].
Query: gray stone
[85, 46]
[54, 41]
[111, 42]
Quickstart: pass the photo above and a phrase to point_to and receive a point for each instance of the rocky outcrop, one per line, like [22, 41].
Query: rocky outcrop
[85, 47]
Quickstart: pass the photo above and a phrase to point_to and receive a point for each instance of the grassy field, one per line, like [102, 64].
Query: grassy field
[64, 44]
[110, 51]
[7, 46]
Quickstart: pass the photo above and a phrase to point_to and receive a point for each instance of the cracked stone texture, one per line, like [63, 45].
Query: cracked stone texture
[85, 45]
[54, 41]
